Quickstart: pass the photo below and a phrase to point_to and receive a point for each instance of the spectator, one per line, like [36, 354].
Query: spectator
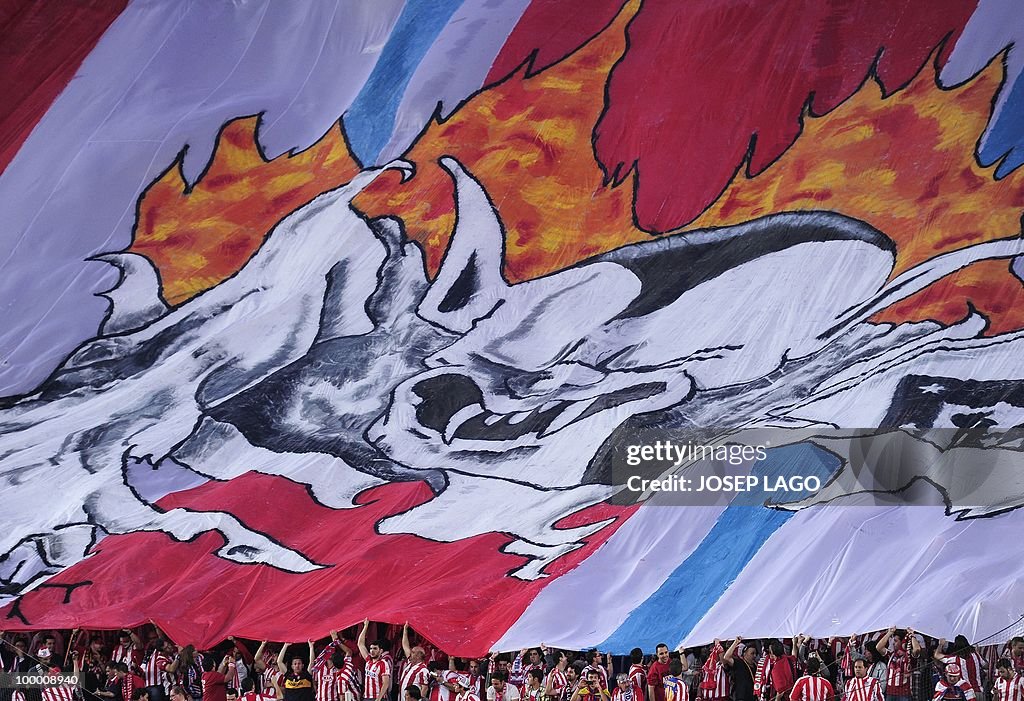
[249, 692]
[876, 665]
[657, 672]
[154, 665]
[125, 649]
[500, 689]
[377, 673]
[783, 671]
[463, 684]
[714, 684]
[637, 674]
[333, 670]
[297, 683]
[966, 658]
[1015, 653]
[128, 681]
[811, 686]
[590, 688]
[214, 678]
[65, 691]
[953, 687]
[742, 671]
[231, 693]
[763, 676]
[521, 668]
[673, 684]
[1008, 685]
[188, 665]
[626, 689]
[557, 681]
[862, 686]
[265, 664]
[534, 690]
[596, 662]
[415, 672]
[898, 667]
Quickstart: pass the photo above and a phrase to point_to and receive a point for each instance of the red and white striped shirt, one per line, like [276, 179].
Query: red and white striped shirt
[558, 683]
[373, 677]
[415, 675]
[123, 653]
[466, 696]
[961, 691]
[713, 672]
[638, 676]
[1011, 689]
[970, 668]
[866, 689]
[64, 692]
[898, 670]
[269, 676]
[153, 668]
[811, 688]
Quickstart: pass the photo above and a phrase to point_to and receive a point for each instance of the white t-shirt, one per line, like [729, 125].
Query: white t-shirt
[511, 693]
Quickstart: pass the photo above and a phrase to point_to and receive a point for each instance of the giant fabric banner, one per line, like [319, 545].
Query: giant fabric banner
[323, 311]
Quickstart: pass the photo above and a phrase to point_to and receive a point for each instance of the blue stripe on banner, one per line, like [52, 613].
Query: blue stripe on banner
[371, 118]
[1006, 135]
[676, 607]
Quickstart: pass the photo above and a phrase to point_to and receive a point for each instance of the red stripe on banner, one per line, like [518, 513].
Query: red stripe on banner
[42, 44]
[706, 86]
[457, 594]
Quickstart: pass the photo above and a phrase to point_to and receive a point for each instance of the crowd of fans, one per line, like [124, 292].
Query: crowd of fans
[144, 665]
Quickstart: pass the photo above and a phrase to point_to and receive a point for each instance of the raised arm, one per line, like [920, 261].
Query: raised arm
[258, 662]
[281, 666]
[883, 643]
[242, 649]
[915, 647]
[406, 647]
[611, 672]
[172, 666]
[727, 658]
[361, 642]
[938, 654]
[224, 664]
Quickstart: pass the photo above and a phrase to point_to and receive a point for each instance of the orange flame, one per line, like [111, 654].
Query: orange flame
[905, 165]
[199, 237]
[528, 141]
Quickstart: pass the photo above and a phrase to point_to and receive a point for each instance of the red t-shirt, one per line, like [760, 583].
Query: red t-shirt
[214, 686]
[783, 675]
[655, 673]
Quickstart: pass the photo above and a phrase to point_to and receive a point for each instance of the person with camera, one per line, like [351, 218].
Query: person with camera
[590, 688]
